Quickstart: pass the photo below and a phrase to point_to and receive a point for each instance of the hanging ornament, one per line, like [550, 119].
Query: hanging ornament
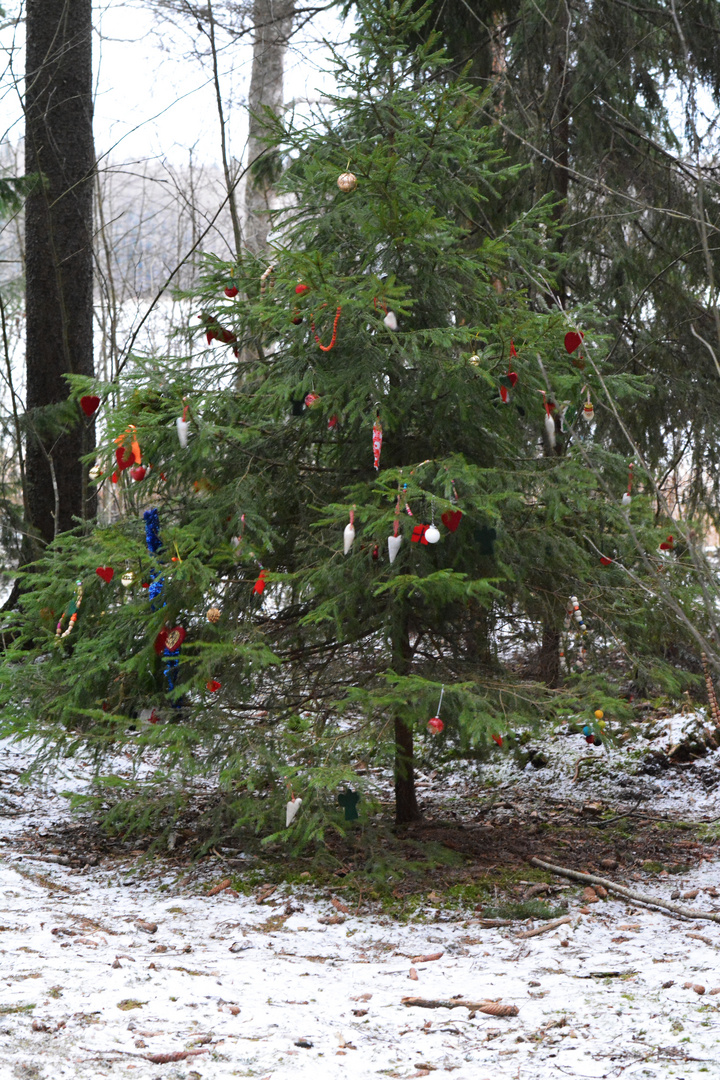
[588, 410]
[124, 456]
[138, 473]
[127, 579]
[291, 810]
[549, 420]
[451, 519]
[576, 613]
[95, 473]
[264, 278]
[213, 615]
[347, 181]
[349, 533]
[393, 543]
[668, 545]
[182, 427]
[497, 739]
[349, 800]
[89, 404]
[70, 612]
[390, 320]
[375, 553]
[573, 341]
[604, 561]
[106, 573]
[418, 534]
[231, 290]
[333, 339]
[435, 724]
[627, 497]
[333, 421]
[507, 382]
[377, 437]
[213, 685]
[169, 640]
[301, 289]
[432, 533]
[259, 586]
[214, 331]
[310, 399]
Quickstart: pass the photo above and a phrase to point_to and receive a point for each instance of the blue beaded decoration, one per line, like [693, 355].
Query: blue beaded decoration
[155, 546]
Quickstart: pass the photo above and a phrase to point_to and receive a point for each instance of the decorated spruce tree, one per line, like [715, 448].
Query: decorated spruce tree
[361, 496]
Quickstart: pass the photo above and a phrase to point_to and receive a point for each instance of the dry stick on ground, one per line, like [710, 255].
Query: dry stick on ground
[491, 1008]
[545, 927]
[628, 894]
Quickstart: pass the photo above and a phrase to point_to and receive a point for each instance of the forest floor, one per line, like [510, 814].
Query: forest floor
[113, 961]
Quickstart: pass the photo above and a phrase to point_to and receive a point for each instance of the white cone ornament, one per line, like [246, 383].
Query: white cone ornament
[348, 536]
[550, 429]
[390, 320]
[182, 430]
[291, 811]
[394, 543]
[432, 534]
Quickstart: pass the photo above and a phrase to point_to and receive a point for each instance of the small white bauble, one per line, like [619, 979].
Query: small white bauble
[390, 320]
[626, 499]
[182, 430]
[348, 537]
[432, 534]
[394, 543]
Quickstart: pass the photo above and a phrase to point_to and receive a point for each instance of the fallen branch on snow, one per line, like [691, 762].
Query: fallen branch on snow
[491, 1008]
[545, 927]
[628, 894]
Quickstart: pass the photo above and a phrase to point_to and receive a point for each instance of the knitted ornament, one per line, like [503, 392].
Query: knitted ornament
[347, 182]
[105, 572]
[213, 615]
[573, 341]
[89, 404]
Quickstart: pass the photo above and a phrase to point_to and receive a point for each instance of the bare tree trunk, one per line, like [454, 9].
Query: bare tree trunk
[59, 256]
[406, 807]
[273, 22]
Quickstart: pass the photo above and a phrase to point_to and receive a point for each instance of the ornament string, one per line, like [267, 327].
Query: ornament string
[377, 438]
[71, 610]
[630, 478]
[442, 692]
[333, 339]
[264, 276]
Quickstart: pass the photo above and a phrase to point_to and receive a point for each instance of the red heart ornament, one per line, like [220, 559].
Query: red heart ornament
[513, 377]
[497, 739]
[89, 404]
[573, 341]
[125, 458]
[259, 586]
[604, 561]
[105, 572]
[451, 519]
[212, 685]
[169, 639]
[667, 545]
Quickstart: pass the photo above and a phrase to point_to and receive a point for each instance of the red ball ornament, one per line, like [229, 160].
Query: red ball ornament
[300, 289]
[310, 399]
[213, 685]
[138, 473]
[604, 561]
[435, 725]
[231, 291]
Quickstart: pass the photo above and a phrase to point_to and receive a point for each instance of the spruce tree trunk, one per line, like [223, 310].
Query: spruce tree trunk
[272, 20]
[58, 256]
[406, 807]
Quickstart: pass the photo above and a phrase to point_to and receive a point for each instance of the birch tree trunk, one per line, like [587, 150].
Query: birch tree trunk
[273, 23]
[59, 257]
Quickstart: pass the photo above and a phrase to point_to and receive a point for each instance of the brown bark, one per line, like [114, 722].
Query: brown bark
[406, 807]
[549, 658]
[59, 257]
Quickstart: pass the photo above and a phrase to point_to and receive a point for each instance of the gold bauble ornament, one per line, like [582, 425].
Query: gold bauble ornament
[474, 360]
[213, 615]
[347, 181]
[95, 473]
[127, 579]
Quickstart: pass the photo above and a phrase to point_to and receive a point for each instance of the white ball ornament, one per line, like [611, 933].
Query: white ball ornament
[432, 534]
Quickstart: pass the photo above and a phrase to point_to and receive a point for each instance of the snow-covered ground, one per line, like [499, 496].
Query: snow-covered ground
[104, 967]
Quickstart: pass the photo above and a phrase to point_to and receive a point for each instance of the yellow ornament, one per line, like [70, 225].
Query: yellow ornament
[95, 473]
[599, 714]
[347, 181]
[127, 579]
[474, 360]
[213, 615]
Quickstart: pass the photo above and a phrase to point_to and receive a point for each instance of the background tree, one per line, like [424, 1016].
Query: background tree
[59, 259]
